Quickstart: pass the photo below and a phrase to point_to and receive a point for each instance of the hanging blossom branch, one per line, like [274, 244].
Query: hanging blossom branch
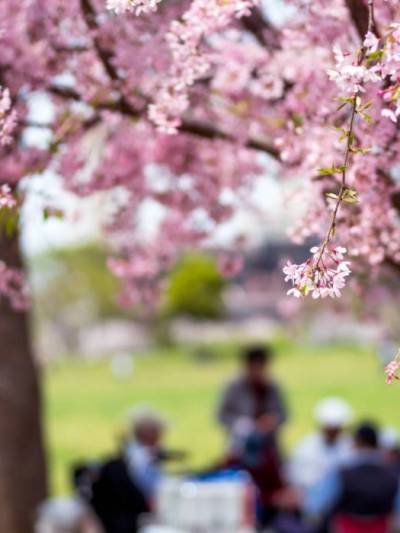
[389, 70]
[391, 95]
[325, 272]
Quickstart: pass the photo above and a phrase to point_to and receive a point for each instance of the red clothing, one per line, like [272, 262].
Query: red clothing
[350, 524]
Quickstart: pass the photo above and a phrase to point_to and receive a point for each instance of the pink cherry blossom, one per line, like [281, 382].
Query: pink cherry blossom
[6, 197]
[8, 117]
[190, 61]
[136, 6]
[323, 274]
[391, 370]
[351, 77]
[230, 265]
[237, 90]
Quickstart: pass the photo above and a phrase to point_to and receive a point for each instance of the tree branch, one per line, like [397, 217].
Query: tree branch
[105, 56]
[195, 128]
[360, 13]
[206, 131]
[255, 23]
[262, 30]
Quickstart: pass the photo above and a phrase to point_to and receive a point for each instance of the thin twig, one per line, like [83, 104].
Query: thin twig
[343, 186]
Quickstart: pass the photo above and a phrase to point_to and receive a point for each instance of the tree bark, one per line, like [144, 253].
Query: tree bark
[22, 465]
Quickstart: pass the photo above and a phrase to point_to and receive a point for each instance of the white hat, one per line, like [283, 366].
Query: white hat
[333, 412]
[389, 438]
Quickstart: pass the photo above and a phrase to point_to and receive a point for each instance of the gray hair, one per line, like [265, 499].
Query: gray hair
[144, 418]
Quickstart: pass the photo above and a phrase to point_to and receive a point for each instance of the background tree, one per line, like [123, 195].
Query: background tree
[195, 288]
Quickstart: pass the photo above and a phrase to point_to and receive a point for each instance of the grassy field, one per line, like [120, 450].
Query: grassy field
[86, 404]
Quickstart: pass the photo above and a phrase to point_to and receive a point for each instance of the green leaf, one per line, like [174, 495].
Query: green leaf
[9, 223]
[374, 56]
[360, 149]
[350, 196]
[52, 212]
[327, 171]
[366, 106]
[346, 99]
[366, 117]
[332, 195]
[297, 120]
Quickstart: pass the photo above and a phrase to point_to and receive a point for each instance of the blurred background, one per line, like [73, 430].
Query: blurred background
[100, 361]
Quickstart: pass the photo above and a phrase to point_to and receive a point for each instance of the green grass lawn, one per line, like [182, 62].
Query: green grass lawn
[85, 403]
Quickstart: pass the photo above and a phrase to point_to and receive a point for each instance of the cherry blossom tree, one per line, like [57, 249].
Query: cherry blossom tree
[185, 103]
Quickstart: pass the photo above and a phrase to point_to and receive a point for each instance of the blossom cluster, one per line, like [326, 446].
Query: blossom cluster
[190, 62]
[323, 274]
[391, 370]
[13, 286]
[349, 76]
[7, 199]
[136, 6]
[390, 66]
[8, 117]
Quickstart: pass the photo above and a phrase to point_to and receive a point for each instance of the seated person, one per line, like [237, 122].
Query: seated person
[125, 485]
[361, 496]
[319, 452]
[144, 451]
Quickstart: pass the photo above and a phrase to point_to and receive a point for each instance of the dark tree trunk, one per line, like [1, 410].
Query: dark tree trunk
[22, 464]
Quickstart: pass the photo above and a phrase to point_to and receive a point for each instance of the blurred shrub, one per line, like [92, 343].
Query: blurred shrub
[195, 288]
[64, 278]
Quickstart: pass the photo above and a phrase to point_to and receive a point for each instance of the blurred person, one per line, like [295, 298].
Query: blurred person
[361, 496]
[252, 404]
[66, 515]
[144, 450]
[389, 442]
[252, 412]
[83, 476]
[319, 452]
[126, 484]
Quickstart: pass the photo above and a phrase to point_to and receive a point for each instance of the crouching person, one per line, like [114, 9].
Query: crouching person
[361, 497]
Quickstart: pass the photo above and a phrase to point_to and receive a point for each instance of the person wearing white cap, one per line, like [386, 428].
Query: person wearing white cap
[329, 447]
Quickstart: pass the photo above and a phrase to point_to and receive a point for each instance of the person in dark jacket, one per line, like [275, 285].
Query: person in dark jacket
[116, 499]
[125, 486]
[252, 404]
[252, 412]
[362, 496]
